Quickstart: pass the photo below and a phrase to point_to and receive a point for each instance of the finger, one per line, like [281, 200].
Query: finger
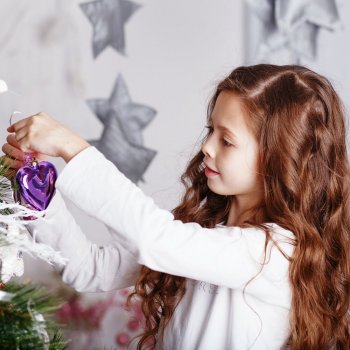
[22, 133]
[13, 152]
[17, 126]
[23, 140]
[20, 124]
[11, 139]
[24, 145]
[7, 163]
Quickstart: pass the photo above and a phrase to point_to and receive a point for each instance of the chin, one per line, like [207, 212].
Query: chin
[219, 191]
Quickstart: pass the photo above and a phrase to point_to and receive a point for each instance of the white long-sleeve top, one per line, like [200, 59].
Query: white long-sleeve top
[214, 313]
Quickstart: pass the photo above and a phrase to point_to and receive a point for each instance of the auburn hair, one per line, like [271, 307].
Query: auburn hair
[300, 125]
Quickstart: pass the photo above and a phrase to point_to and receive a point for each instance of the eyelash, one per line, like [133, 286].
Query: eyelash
[225, 142]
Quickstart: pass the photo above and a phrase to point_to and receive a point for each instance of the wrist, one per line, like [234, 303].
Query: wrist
[72, 148]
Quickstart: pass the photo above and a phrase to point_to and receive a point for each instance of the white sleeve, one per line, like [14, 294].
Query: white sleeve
[90, 268]
[228, 256]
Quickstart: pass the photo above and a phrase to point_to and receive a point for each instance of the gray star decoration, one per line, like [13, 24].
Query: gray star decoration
[108, 18]
[293, 25]
[121, 141]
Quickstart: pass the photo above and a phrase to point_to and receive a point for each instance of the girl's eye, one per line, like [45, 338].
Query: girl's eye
[226, 143]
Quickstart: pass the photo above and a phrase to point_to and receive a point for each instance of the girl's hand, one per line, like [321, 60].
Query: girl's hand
[41, 134]
[13, 158]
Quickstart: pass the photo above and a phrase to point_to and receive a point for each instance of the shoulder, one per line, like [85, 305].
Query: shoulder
[268, 259]
[276, 232]
[279, 250]
[273, 257]
[282, 237]
[272, 251]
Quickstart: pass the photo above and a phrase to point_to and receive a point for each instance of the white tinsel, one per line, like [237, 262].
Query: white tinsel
[26, 244]
[5, 296]
[11, 260]
[15, 239]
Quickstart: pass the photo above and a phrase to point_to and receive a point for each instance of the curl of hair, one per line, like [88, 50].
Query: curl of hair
[299, 122]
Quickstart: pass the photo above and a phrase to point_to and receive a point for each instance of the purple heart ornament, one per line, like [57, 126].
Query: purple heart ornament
[36, 183]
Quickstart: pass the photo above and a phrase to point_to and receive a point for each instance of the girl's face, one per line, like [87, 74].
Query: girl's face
[231, 151]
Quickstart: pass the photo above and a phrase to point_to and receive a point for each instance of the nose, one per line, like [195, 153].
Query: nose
[208, 148]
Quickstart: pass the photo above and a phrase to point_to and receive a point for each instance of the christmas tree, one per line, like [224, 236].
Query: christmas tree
[26, 310]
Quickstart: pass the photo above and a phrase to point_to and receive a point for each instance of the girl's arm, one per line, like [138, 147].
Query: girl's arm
[90, 268]
[227, 256]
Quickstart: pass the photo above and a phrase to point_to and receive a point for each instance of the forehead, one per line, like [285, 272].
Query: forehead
[228, 110]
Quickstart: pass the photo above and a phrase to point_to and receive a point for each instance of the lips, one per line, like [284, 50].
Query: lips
[210, 172]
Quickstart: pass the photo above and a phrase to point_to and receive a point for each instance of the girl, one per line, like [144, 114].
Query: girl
[257, 254]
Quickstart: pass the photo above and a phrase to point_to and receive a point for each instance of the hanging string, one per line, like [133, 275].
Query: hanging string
[28, 156]
[15, 112]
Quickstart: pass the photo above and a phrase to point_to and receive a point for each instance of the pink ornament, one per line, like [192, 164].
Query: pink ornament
[122, 339]
[124, 292]
[36, 182]
[133, 324]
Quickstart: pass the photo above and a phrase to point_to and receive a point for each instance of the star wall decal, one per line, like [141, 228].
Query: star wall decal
[108, 18]
[121, 140]
[293, 25]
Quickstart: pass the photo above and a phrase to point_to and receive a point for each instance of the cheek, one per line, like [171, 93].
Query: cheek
[241, 167]
[251, 158]
[250, 167]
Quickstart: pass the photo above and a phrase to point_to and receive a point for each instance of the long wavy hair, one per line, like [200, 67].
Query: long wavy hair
[300, 125]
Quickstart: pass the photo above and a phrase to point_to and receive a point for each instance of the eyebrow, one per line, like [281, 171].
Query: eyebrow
[231, 133]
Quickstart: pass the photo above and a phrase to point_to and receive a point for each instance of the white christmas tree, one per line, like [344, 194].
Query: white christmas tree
[22, 306]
